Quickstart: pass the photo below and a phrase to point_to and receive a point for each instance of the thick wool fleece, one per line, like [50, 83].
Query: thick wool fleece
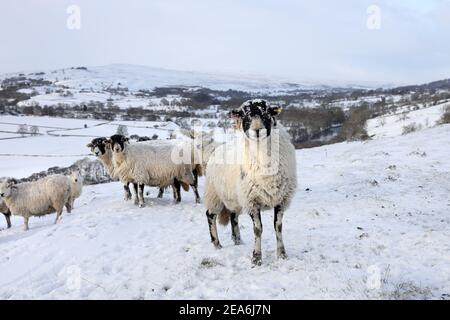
[150, 164]
[37, 198]
[245, 185]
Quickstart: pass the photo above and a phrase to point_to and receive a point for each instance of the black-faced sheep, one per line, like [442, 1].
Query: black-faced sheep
[255, 172]
[37, 198]
[99, 148]
[148, 164]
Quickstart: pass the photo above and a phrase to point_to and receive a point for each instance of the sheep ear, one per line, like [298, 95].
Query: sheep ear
[236, 113]
[11, 182]
[89, 145]
[274, 111]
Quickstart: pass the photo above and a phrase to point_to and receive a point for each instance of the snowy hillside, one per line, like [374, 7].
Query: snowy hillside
[369, 220]
[120, 84]
[394, 124]
[137, 77]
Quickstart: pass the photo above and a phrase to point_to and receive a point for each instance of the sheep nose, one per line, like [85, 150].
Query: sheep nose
[2, 195]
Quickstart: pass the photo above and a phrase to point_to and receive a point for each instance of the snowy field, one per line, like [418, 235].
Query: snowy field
[369, 220]
[61, 141]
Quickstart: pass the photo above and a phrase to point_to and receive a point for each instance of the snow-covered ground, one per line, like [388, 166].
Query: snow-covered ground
[369, 220]
[393, 125]
[61, 141]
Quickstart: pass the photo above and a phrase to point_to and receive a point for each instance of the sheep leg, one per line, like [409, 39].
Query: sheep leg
[236, 235]
[136, 196]
[69, 206]
[126, 188]
[278, 225]
[8, 220]
[58, 215]
[197, 196]
[195, 186]
[212, 217]
[160, 193]
[25, 223]
[257, 229]
[177, 190]
[141, 195]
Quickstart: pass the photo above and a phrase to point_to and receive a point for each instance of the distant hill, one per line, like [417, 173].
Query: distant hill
[136, 77]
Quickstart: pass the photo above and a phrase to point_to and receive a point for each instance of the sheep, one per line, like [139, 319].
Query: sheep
[76, 187]
[99, 149]
[258, 180]
[6, 212]
[37, 198]
[200, 146]
[148, 164]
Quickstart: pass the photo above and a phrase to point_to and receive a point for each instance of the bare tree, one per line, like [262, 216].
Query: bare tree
[123, 130]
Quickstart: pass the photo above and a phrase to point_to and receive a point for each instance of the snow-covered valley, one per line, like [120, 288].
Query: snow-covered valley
[369, 220]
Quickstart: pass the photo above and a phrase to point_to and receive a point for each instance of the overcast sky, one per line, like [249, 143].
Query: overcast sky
[304, 41]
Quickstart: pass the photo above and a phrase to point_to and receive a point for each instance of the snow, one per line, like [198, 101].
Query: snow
[392, 125]
[62, 141]
[374, 224]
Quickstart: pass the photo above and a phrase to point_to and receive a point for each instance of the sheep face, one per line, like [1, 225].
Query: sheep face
[98, 146]
[76, 177]
[255, 118]
[117, 143]
[6, 188]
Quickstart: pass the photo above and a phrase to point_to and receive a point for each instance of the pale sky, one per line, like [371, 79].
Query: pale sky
[303, 41]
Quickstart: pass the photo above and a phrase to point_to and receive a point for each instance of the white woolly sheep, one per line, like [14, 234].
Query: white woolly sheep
[37, 198]
[200, 146]
[148, 164]
[6, 212]
[76, 187]
[263, 176]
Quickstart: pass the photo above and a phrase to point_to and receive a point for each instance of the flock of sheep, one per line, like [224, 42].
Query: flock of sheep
[231, 187]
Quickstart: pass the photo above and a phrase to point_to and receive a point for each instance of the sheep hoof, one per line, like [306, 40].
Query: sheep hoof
[218, 245]
[257, 258]
[282, 255]
[198, 200]
[141, 205]
[237, 242]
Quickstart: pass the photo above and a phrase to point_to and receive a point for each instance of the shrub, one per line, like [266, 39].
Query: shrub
[412, 127]
[446, 115]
